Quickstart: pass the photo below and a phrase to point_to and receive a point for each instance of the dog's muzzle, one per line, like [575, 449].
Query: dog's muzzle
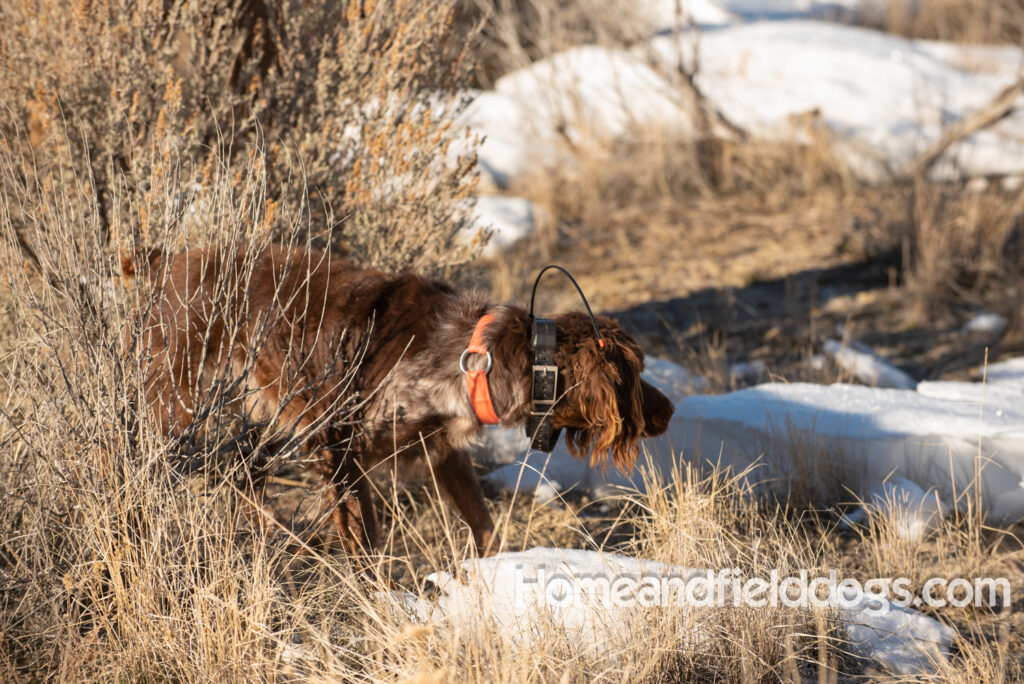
[543, 435]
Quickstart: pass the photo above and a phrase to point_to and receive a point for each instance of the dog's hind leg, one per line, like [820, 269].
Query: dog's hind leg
[457, 479]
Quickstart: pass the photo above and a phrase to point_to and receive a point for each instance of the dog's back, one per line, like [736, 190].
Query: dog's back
[294, 321]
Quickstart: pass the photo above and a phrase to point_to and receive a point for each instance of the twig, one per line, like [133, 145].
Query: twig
[287, 482]
[708, 115]
[998, 108]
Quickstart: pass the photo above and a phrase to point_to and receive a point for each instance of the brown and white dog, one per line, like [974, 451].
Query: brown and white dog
[389, 346]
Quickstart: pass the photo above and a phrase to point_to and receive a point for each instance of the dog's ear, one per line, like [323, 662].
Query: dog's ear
[132, 262]
[608, 395]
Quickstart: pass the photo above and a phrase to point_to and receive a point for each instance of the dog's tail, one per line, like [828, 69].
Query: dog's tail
[131, 260]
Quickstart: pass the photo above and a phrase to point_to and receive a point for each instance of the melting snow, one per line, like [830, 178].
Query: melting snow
[937, 438]
[509, 219]
[884, 98]
[991, 323]
[517, 591]
[868, 367]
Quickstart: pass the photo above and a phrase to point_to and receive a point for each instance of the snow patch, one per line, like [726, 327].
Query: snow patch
[1007, 374]
[524, 478]
[661, 16]
[988, 323]
[746, 371]
[899, 640]
[671, 379]
[910, 512]
[867, 366]
[504, 592]
[509, 219]
[874, 434]
[883, 98]
[936, 438]
[792, 9]
[536, 115]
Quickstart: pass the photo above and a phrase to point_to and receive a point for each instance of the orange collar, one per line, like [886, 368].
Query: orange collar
[476, 380]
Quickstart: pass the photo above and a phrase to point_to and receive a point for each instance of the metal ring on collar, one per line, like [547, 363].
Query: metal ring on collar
[462, 361]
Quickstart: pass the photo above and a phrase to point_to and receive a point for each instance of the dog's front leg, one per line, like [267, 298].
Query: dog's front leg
[348, 494]
[457, 479]
[355, 519]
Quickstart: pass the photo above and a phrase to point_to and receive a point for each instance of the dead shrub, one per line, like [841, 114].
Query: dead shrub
[117, 564]
[353, 103]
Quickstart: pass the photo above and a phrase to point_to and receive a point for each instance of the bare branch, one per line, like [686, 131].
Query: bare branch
[995, 110]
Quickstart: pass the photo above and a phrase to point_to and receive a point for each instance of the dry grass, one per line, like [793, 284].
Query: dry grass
[962, 21]
[515, 33]
[966, 249]
[660, 196]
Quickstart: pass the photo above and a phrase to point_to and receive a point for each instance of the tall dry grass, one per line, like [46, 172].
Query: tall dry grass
[965, 249]
[674, 188]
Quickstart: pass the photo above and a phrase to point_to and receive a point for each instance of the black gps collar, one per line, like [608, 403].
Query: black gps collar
[544, 341]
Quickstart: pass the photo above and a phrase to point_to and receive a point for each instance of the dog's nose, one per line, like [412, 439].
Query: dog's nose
[657, 410]
[662, 418]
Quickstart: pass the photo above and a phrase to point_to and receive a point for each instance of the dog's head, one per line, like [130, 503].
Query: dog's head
[606, 407]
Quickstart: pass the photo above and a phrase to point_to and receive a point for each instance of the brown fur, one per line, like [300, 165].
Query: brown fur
[314, 331]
